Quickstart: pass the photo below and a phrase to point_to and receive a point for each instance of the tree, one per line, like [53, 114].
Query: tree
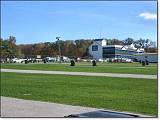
[9, 48]
[70, 48]
[143, 43]
[27, 50]
[128, 41]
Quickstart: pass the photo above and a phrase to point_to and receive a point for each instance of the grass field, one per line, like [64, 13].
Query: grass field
[123, 94]
[131, 68]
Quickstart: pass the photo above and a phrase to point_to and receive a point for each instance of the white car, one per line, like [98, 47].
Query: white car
[129, 60]
[17, 60]
[51, 59]
[100, 60]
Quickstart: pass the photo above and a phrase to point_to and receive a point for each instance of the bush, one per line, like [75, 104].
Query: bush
[147, 62]
[143, 63]
[72, 63]
[93, 63]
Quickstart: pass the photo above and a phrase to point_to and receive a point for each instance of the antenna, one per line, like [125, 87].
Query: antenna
[100, 33]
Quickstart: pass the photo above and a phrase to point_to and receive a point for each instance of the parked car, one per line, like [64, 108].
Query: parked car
[51, 59]
[17, 60]
[104, 114]
[127, 60]
[65, 59]
[100, 60]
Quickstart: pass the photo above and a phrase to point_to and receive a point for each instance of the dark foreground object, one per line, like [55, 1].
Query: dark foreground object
[147, 62]
[103, 114]
[143, 63]
[93, 63]
[25, 61]
[72, 63]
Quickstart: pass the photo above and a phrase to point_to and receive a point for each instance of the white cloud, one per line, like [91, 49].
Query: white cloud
[148, 16]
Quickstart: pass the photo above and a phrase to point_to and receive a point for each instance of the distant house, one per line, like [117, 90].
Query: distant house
[100, 50]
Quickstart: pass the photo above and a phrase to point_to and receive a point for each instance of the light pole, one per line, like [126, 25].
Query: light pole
[59, 47]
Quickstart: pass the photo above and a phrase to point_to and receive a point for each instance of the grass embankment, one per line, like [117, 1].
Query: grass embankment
[123, 94]
[130, 68]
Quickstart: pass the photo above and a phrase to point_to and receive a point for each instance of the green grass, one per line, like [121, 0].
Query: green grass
[130, 68]
[122, 94]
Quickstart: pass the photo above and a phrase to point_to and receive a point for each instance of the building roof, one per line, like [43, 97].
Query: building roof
[118, 46]
[126, 48]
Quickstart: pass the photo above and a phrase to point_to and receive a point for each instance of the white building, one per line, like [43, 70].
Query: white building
[100, 50]
[96, 49]
[151, 57]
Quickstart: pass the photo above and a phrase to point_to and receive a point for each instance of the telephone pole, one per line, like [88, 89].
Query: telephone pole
[59, 47]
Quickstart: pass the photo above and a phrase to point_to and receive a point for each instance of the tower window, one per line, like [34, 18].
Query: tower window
[95, 48]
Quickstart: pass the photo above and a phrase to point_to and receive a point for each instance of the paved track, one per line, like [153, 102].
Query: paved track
[83, 73]
[13, 107]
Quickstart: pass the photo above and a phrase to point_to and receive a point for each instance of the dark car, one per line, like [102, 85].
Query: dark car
[103, 114]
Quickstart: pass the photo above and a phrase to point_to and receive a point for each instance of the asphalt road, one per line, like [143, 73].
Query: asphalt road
[83, 73]
[13, 107]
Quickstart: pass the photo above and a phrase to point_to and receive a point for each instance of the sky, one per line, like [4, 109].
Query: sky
[43, 21]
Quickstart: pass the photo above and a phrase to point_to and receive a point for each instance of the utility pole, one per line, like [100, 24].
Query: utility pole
[59, 48]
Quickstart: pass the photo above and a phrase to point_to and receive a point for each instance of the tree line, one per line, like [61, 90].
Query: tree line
[69, 48]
